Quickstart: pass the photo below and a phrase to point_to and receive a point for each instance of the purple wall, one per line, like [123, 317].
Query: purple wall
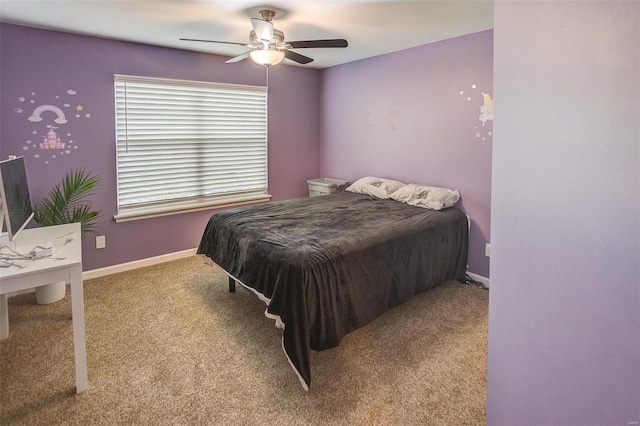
[66, 71]
[564, 314]
[403, 116]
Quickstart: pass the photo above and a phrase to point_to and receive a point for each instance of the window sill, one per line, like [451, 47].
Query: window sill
[188, 207]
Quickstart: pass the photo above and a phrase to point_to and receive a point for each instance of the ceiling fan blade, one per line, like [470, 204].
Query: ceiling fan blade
[304, 44]
[215, 41]
[263, 29]
[237, 58]
[301, 59]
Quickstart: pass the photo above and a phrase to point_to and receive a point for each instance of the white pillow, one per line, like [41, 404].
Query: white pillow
[377, 187]
[429, 197]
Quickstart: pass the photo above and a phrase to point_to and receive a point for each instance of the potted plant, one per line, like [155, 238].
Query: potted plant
[65, 203]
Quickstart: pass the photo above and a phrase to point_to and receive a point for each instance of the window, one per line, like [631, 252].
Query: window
[186, 145]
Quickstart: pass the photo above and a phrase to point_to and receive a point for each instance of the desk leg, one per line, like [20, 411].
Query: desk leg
[4, 317]
[79, 342]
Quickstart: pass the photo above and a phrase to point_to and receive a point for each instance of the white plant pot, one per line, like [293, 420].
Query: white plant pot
[51, 293]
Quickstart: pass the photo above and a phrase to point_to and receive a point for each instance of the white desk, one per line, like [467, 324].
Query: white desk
[46, 271]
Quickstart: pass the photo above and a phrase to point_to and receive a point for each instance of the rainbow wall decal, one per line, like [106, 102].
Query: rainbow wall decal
[36, 116]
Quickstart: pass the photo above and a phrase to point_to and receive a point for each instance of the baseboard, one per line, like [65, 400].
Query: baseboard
[150, 261]
[479, 278]
[123, 267]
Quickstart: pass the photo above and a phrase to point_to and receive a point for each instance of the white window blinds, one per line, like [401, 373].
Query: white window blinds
[184, 141]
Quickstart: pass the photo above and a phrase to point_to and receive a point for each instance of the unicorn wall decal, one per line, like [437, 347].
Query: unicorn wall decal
[486, 110]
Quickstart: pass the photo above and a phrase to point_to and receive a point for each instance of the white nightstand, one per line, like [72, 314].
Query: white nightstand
[326, 186]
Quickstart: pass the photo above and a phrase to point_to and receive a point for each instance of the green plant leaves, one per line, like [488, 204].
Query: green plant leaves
[67, 203]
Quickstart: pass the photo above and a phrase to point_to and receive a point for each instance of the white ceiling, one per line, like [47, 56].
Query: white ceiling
[371, 27]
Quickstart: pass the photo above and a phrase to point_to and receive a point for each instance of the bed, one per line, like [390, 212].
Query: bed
[325, 266]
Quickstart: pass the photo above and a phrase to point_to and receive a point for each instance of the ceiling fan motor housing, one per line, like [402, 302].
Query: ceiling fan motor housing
[267, 15]
[278, 38]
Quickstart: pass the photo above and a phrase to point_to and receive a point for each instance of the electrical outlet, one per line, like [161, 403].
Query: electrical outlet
[101, 242]
[487, 250]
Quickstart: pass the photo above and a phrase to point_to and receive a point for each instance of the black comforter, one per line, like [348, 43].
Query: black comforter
[328, 265]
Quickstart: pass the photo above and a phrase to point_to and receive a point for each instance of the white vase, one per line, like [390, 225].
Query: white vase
[51, 292]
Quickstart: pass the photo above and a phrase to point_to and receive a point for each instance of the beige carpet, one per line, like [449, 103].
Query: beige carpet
[169, 345]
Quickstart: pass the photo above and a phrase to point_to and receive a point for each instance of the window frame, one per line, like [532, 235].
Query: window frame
[200, 202]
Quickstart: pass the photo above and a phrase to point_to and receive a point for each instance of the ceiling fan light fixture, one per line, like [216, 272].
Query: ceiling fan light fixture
[267, 57]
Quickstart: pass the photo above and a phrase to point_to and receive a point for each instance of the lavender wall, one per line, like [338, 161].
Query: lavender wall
[75, 74]
[414, 116]
[564, 315]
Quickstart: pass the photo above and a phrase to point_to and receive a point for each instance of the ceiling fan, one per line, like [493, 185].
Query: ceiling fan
[268, 46]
